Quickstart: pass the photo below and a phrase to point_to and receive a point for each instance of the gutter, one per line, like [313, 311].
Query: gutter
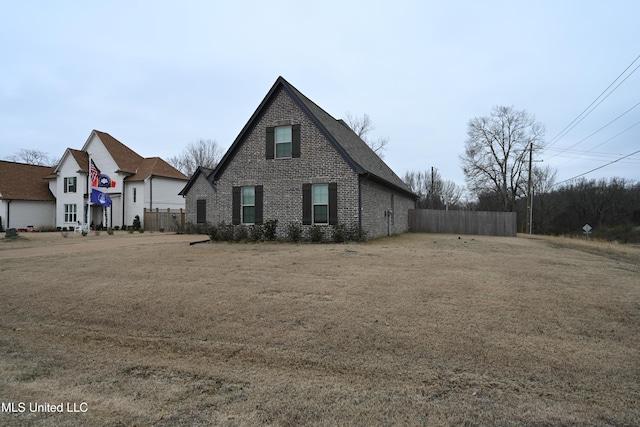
[151, 192]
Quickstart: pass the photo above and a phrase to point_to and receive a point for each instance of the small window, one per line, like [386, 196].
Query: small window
[248, 203]
[135, 195]
[320, 203]
[201, 211]
[283, 141]
[70, 213]
[70, 185]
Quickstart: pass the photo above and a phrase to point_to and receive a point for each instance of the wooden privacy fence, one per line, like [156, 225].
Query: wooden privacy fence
[164, 219]
[463, 222]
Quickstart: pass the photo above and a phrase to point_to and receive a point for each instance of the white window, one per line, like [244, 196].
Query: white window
[283, 142]
[70, 213]
[320, 203]
[248, 203]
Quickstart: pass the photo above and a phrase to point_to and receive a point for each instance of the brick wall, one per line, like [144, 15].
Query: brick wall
[282, 179]
[201, 189]
[376, 199]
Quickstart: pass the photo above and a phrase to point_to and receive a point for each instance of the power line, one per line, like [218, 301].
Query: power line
[582, 115]
[599, 167]
[602, 128]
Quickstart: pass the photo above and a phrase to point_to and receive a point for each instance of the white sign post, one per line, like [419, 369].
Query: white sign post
[587, 229]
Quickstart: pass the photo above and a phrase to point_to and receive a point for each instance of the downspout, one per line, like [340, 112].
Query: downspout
[8, 213]
[124, 192]
[360, 203]
[151, 192]
[150, 197]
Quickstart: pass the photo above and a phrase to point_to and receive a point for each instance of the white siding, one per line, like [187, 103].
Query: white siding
[24, 213]
[69, 168]
[162, 193]
[133, 208]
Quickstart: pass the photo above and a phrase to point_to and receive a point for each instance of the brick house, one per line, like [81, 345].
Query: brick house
[294, 162]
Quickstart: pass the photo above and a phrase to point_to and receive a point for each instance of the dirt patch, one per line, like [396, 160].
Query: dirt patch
[415, 329]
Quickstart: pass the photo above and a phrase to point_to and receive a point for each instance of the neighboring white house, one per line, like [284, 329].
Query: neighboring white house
[133, 184]
[25, 199]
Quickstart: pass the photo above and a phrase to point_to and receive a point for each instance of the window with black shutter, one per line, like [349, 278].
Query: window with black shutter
[320, 203]
[247, 205]
[283, 142]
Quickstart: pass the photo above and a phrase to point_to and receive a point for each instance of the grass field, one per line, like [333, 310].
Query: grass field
[419, 329]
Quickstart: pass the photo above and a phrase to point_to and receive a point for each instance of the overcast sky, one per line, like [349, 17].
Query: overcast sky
[158, 75]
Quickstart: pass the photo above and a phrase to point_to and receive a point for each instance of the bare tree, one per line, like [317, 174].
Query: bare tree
[204, 152]
[32, 157]
[433, 191]
[451, 193]
[495, 158]
[362, 126]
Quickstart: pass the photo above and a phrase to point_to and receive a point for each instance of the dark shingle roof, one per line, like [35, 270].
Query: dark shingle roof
[19, 181]
[200, 171]
[362, 159]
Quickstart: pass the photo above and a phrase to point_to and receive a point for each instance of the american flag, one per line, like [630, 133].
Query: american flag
[94, 172]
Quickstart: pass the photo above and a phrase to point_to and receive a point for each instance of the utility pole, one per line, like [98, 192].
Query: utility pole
[529, 207]
[530, 191]
[431, 195]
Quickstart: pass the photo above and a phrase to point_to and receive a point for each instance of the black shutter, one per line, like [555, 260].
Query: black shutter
[270, 142]
[235, 206]
[333, 203]
[65, 184]
[306, 204]
[201, 211]
[258, 211]
[295, 141]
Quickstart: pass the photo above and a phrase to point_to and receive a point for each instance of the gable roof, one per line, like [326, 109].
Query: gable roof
[157, 167]
[357, 154]
[200, 171]
[126, 159]
[20, 181]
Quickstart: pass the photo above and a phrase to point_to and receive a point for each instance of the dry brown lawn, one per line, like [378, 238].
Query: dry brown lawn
[417, 329]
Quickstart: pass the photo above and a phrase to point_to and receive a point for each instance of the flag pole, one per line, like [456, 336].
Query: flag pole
[89, 188]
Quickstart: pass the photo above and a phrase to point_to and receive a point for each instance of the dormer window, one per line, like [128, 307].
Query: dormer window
[283, 142]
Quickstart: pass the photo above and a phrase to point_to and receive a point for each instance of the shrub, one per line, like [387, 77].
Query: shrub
[256, 233]
[316, 233]
[212, 231]
[118, 227]
[338, 233]
[240, 233]
[294, 232]
[65, 234]
[1, 226]
[141, 230]
[225, 232]
[110, 231]
[136, 222]
[355, 233]
[270, 227]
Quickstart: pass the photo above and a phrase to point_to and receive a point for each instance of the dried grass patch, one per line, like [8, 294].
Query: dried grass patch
[415, 329]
